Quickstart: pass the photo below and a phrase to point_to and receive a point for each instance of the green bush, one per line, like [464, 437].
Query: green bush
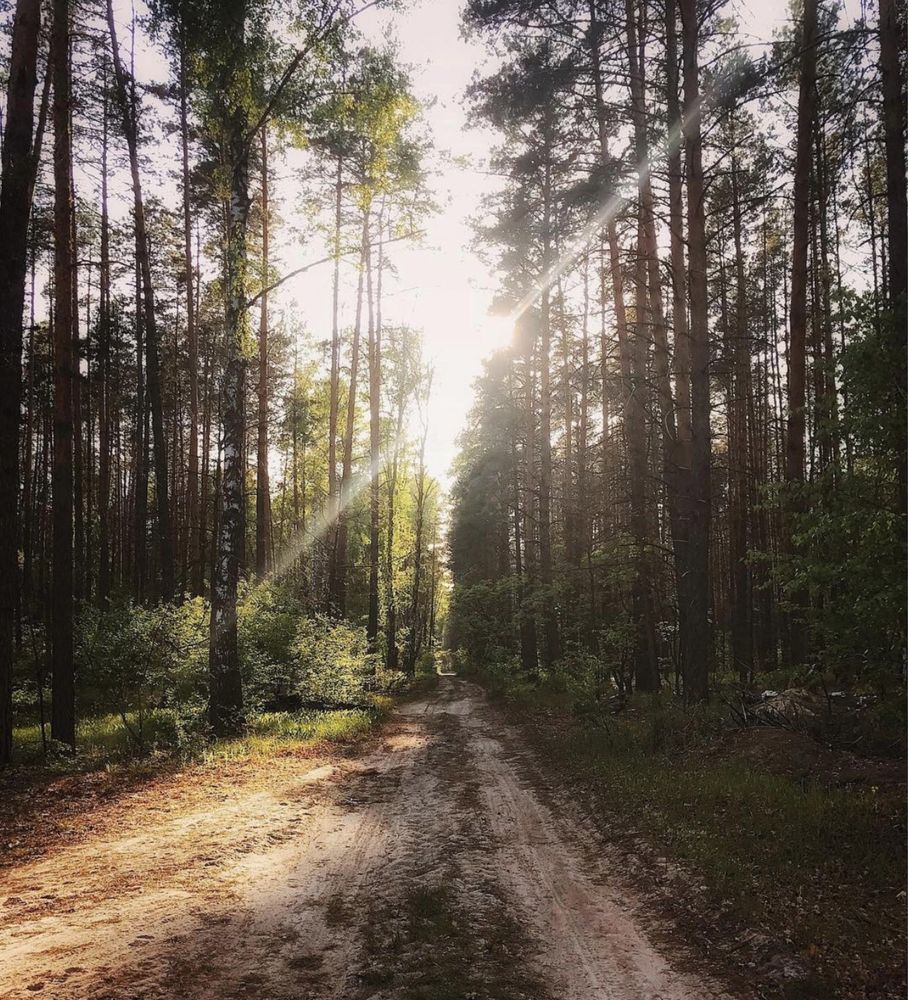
[132, 657]
[331, 662]
[268, 620]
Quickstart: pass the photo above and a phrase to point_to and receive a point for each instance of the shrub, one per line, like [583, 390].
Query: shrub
[331, 662]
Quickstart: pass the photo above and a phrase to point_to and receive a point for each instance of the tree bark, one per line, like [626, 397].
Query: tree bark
[797, 346]
[738, 460]
[339, 592]
[334, 385]
[152, 365]
[15, 208]
[225, 703]
[891, 31]
[551, 640]
[63, 713]
[262, 482]
[104, 447]
[374, 452]
[695, 654]
[195, 557]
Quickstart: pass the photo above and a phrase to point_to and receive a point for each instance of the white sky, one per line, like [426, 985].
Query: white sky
[441, 287]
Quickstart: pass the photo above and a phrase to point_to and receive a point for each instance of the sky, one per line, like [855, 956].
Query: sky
[441, 285]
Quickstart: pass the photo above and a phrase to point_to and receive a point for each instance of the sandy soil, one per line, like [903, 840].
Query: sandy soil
[312, 879]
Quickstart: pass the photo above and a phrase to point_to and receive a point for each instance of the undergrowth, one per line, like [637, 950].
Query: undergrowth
[818, 867]
[112, 740]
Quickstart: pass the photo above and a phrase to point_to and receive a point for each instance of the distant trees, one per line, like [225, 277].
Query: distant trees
[712, 444]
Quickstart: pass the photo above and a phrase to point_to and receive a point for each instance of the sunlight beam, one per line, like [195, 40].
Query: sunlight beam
[597, 222]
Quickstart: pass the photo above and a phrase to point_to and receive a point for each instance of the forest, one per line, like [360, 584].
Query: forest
[612, 706]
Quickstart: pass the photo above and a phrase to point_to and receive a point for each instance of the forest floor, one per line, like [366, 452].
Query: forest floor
[776, 854]
[432, 860]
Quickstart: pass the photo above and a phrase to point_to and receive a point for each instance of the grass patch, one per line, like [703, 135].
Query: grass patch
[818, 867]
[109, 740]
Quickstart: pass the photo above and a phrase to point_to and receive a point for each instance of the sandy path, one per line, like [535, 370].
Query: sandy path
[297, 882]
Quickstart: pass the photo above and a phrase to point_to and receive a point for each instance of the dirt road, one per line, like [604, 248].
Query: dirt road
[428, 866]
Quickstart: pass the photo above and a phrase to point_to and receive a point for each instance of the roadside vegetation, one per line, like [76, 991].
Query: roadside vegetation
[752, 821]
[143, 686]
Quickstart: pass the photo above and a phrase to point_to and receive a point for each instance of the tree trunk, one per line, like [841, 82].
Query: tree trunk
[797, 347]
[413, 646]
[551, 641]
[334, 385]
[195, 557]
[63, 720]
[739, 473]
[374, 453]
[225, 704]
[15, 207]
[262, 483]
[105, 387]
[630, 361]
[696, 652]
[339, 594]
[140, 458]
[891, 31]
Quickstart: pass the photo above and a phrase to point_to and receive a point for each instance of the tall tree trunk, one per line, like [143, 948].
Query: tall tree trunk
[891, 31]
[15, 207]
[374, 452]
[530, 509]
[526, 623]
[738, 452]
[676, 235]
[140, 458]
[105, 389]
[413, 646]
[339, 595]
[63, 714]
[551, 641]
[697, 650]
[78, 453]
[195, 555]
[334, 385]
[225, 704]
[630, 362]
[797, 347]
[262, 483]
[152, 365]
[674, 447]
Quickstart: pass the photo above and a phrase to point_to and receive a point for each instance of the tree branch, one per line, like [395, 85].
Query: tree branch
[317, 36]
[324, 260]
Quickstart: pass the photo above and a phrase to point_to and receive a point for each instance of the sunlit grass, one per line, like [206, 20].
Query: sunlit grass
[108, 740]
[271, 732]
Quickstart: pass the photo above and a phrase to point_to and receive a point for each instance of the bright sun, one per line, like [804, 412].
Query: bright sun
[496, 332]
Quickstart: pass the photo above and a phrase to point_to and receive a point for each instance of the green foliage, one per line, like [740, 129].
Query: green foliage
[481, 619]
[848, 523]
[268, 617]
[135, 657]
[332, 661]
[143, 675]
